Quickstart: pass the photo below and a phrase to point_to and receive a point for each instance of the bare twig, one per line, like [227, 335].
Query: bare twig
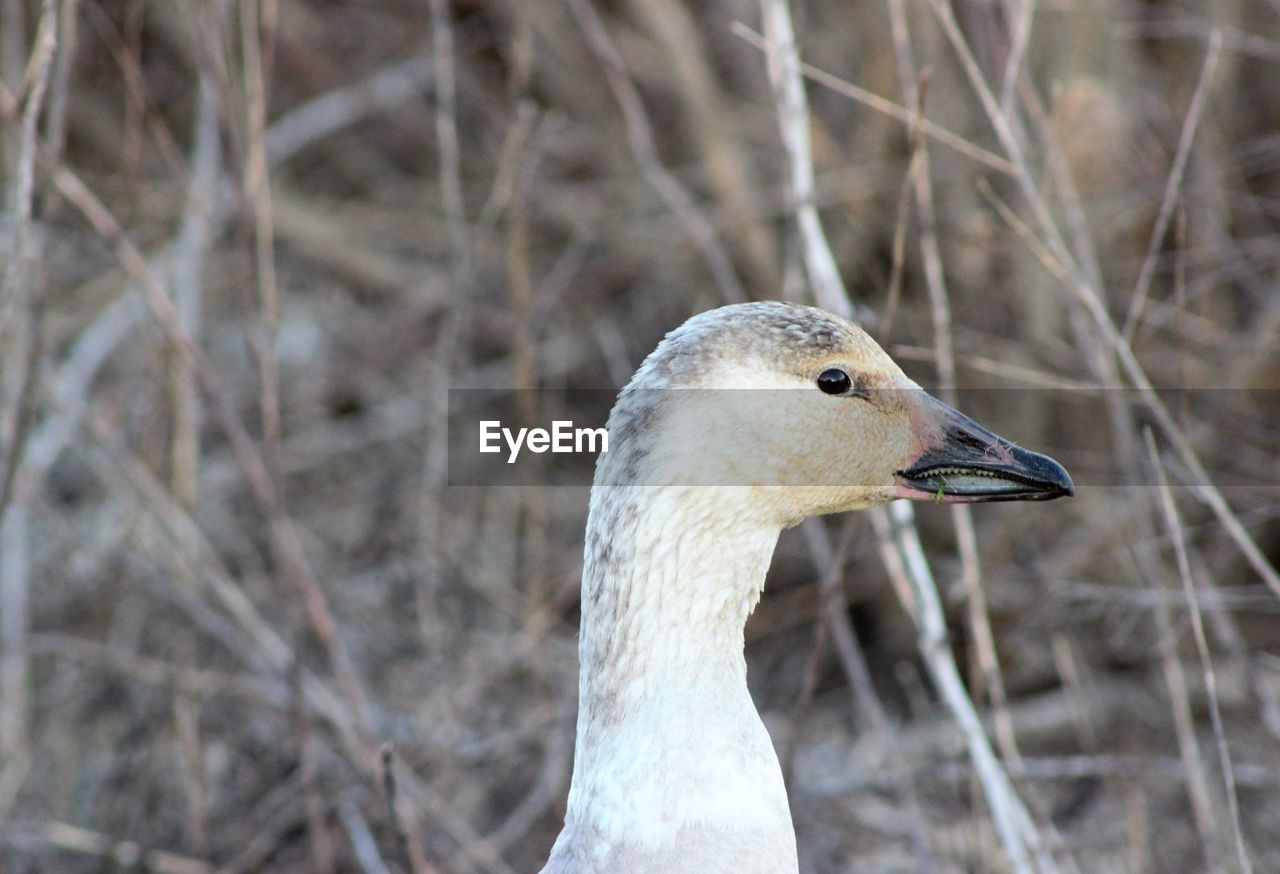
[335, 110]
[187, 266]
[257, 19]
[319, 841]
[186, 722]
[401, 817]
[900, 224]
[940, 307]
[447, 137]
[20, 333]
[19, 249]
[875, 721]
[1024, 11]
[165, 623]
[362, 840]
[887, 107]
[1013, 823]
[640, 138]
[1197, 776]
[60, 85]
[311, 121]
[1086, 291]
[905, 555]
[1173, 185]
[793, 120]
[707, 111]
[284, 536]
[1174, 523]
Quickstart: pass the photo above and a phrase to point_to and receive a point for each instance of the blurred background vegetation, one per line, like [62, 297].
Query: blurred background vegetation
[248, 244]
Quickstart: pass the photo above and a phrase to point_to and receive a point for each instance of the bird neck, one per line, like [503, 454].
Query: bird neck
[669, 740]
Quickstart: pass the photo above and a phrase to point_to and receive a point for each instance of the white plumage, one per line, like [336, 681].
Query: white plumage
[722, 439]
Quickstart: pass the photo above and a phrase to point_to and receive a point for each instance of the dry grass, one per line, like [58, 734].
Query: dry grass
[246, 625]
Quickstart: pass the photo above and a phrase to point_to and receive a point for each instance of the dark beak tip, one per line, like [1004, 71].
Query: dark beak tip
[1054, 476]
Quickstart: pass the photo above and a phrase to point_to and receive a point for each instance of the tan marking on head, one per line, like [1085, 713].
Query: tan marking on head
[756, 417]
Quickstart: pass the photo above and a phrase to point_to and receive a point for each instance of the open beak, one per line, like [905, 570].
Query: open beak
[962, 462]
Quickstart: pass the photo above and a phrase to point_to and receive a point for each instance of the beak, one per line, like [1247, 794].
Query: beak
[962, 462]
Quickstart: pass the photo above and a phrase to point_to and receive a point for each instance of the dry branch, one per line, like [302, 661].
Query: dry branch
[1014, 824]
[793, 120]
[161, 627]
[20, 336]
[640, 139]
[1190, 125]
[1202, 649]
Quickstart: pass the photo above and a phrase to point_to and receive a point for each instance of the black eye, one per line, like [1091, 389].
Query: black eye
[834, 381]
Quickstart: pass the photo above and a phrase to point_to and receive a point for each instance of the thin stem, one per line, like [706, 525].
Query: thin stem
[793, 120]
[1173, 185]
[1174, 524]
[640, 138]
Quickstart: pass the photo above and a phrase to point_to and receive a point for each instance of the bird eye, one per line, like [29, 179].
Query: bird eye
[834, 381]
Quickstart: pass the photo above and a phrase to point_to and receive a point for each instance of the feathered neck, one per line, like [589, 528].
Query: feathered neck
[669, 743]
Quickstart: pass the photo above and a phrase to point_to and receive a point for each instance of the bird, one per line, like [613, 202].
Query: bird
[744, 421]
